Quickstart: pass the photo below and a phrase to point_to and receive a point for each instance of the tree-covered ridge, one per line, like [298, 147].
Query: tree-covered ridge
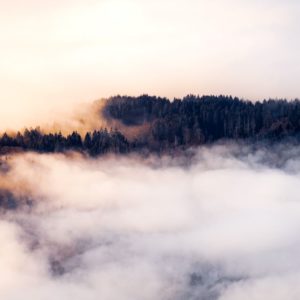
[169, 125]
[199, 120]
[94, 143]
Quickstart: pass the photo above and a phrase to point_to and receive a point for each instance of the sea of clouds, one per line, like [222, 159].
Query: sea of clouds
[222, 222]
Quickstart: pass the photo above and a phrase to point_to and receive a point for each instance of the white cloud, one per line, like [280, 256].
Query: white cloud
[224, 227]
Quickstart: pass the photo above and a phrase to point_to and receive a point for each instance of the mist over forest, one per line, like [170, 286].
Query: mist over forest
[145, 198]
[149, 124]
[181, 182]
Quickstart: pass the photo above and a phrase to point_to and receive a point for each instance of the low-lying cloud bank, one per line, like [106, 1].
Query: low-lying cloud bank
[223, 226]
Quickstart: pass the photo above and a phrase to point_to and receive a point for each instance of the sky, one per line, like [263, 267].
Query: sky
[56, 54]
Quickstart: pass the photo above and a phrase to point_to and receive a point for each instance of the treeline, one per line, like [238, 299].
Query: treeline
[199, 120]
[164, 125]
[94, 143]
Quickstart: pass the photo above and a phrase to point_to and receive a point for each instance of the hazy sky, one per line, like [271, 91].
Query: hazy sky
[65, 51]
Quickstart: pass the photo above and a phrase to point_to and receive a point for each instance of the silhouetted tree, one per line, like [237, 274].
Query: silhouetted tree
[171, 125]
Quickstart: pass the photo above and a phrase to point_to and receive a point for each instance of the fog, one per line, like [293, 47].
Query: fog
[82, 117]
[220, 223]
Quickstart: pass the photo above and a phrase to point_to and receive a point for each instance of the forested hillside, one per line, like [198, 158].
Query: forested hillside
[161, 125]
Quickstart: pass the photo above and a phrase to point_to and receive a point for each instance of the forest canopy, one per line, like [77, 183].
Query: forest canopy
[161, 125]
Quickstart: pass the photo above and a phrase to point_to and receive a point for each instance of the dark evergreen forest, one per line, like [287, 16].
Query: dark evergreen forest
[164, 125]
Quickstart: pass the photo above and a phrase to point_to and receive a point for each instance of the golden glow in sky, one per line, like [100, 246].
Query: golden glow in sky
[58, 53]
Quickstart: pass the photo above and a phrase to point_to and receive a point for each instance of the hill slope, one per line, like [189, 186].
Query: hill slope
[157, 125]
